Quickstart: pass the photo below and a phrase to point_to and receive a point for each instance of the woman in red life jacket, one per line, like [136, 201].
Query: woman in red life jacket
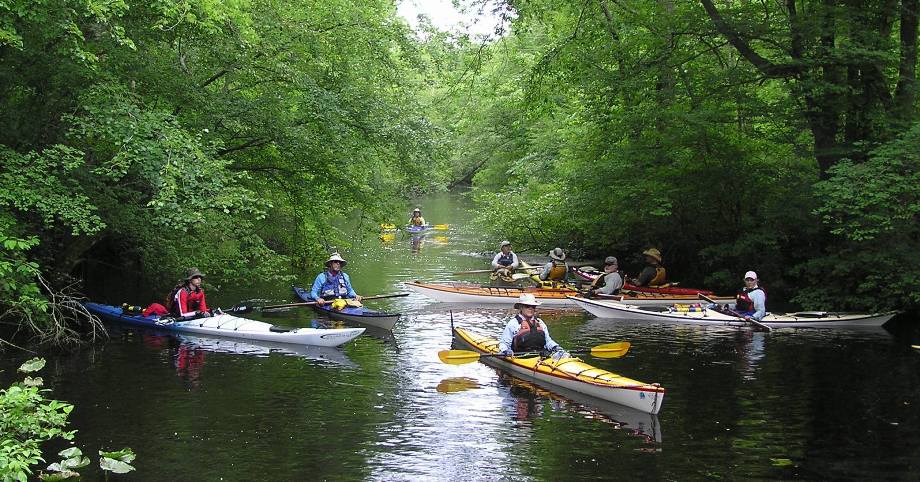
[527, 333]
[187, 299]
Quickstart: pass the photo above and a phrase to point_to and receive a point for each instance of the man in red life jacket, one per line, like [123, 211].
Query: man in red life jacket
[187, 299]
[751, 302]
[527, 333]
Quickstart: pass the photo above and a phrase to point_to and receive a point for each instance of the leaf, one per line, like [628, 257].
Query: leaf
[32, 365]
[70, 452]
[33, 382]
[116, 466]
[124, 455]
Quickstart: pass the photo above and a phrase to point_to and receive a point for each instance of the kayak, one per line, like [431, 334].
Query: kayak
[591, 275]
[568, 373]
[419, 229]
[451, 292]
[363, 315]
[701, 314]
[232, 327]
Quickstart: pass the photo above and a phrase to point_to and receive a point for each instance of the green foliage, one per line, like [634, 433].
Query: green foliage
[27, 419]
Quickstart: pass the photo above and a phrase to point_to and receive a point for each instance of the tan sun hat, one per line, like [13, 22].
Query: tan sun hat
[336, 257]
[193, 272]
[527, 299]
[653, 253]
[503, 244]
[558, 254]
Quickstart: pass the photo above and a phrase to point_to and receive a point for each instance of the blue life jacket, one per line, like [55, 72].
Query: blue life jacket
[334, 286]
[506, 259]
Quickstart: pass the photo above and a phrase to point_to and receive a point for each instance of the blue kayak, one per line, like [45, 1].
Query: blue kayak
[361, 314]
[419, 229]
[230, 326]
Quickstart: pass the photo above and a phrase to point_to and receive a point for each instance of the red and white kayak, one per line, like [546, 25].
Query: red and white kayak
[702, 315]
[586, 273]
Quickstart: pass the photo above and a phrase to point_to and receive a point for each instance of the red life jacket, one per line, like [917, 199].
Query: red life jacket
[744, 303]
[530, 335]
[194, 300]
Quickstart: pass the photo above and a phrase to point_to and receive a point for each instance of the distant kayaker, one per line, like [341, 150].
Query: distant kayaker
[187, 298]
[555, 269]
[333, 283]
[504, 263]
[526, 332]
[751, 301]
[654, 273]
[609, 283]
[416, 219]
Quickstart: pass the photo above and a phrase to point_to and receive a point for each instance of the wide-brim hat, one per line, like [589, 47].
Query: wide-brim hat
[653, 253]
[417, 210]
[503, 244]
[610, 260]
[193, 272]
[336, 257]
[558, 254]
[528, 300]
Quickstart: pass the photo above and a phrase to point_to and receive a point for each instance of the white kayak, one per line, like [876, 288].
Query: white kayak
[805, 319]
[233, 327]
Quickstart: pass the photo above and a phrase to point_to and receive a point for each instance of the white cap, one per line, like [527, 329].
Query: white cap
[504, 243]
[527, 299]
[750, 274]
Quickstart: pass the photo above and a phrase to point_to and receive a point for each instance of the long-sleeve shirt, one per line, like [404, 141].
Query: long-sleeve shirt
[514, 261]
[612, 282]
[760, 304]
[511, 329]
[315, 291]
[190, 302]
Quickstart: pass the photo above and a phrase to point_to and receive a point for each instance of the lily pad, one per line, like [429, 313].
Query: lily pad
[782, 462]
[116, 466]
[33, 365]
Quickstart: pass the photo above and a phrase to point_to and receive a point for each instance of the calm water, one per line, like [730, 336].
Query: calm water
[808, 404]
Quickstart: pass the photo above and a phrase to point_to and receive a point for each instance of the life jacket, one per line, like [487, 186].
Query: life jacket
[334, 286]
[193, 299]
[558, 271]
[530, 335]
[506, 259]
[601, 281]
[661, 276]
[417, 221]
[744, 303]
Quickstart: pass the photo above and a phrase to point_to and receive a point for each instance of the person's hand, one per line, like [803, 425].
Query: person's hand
[559, 354]
[320, 302]
[506, 352]
[203, 314]
[748, 318]
[358, 298]
[590, 294]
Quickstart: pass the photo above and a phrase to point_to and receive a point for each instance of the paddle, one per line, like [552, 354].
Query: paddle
[460, 357]
[728, 311]
[311, 303]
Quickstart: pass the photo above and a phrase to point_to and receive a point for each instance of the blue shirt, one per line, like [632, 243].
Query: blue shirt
[511, 329]
[760, 305]
[321, 280]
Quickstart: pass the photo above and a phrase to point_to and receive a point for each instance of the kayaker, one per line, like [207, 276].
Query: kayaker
[187, 298]
[526, 332]
[333, 283]
[555, 269]
[504, 263]
[751, 301]
[609, 283]
[654, 273]
[416, 219]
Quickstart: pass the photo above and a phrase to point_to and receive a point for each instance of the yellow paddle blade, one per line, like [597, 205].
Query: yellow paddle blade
[458, 357]
[456, 384]
[611, 350]
[441, 227]
[387, 226]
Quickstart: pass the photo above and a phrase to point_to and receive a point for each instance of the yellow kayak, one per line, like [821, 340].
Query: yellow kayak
[569, 373]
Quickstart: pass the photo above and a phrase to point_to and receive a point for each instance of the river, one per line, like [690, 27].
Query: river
[792, 404]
